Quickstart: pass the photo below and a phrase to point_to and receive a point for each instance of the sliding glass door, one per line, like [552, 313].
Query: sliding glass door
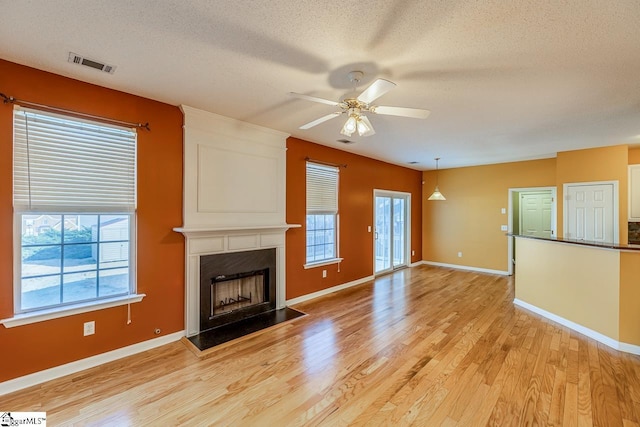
[391, 213]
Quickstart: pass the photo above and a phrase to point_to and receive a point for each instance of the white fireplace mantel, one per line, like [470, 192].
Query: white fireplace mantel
[234, 197]
[195, 232]
[209, 241]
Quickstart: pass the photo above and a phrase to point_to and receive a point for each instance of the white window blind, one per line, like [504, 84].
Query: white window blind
[63, 164]
[322, 189]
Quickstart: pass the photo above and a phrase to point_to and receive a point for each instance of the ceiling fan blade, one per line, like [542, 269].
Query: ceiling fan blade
[416, 113]
[376, 90]
[314, 99]
[320, 120]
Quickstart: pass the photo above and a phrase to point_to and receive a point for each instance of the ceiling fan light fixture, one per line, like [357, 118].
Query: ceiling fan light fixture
[354, 104]
[436, 195]
[364, 126]
[351, 125]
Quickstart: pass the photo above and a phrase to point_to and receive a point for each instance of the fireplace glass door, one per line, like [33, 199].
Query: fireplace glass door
[240, 290]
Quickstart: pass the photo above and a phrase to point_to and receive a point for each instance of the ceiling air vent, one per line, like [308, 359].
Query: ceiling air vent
[345, 141]
[77, 59]
[413, 163]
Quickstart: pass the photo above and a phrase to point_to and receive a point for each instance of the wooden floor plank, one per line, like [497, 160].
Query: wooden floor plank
[585, 415]
[426, 345]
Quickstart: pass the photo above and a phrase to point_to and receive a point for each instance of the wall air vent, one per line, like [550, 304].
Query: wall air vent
[345, 141]
[77, 59]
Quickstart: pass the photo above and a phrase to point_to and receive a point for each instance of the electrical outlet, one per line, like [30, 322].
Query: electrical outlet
[89, 328]
[459, 254]
[503, 211]
[413, 253]
[324, 273]
[369, 229]
[504, 228]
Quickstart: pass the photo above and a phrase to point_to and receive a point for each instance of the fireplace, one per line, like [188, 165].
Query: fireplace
[234, 202]
[236, 285]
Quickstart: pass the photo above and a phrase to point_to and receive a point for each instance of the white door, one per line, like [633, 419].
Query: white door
[535, 214]
[590, 212]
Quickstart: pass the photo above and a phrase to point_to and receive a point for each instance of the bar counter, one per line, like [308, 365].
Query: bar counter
[591, 287]
[605, 245]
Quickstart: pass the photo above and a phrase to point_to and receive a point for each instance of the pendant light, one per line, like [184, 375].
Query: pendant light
[437, 195]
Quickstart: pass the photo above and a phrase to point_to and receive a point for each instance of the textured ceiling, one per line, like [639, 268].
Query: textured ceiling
[505, 80]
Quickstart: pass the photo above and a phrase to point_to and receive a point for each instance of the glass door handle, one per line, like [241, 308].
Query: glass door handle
[376, 235]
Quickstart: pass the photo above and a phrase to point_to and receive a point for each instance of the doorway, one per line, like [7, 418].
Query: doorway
[532, 212]
[391, 230]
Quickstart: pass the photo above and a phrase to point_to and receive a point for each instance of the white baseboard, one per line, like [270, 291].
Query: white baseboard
[336, 288]
[616, 345]
[466, 268]
[82, 364]
[629, 348]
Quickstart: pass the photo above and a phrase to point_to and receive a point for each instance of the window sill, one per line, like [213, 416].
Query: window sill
[324, 262]
[70, 310]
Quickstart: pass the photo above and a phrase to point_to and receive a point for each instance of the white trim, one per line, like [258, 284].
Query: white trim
[70, 310]
[466, 267]
[321, 263]
[610, 342]
[554, 217]
[630, 192]
[80, 365]
[629, 348]
[323, 292]
[199, 231]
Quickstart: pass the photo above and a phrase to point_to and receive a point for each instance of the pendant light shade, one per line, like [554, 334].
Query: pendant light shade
[437, 195]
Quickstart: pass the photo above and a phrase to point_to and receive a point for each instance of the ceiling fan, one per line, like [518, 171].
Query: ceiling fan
[355, 105]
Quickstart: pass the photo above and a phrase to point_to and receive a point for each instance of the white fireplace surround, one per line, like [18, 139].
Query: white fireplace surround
[234, 197]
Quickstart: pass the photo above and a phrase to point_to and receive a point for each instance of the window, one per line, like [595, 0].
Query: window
[74, 205]
[322, 213]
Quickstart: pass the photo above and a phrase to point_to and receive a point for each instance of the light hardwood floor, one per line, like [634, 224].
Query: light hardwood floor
[425, 346]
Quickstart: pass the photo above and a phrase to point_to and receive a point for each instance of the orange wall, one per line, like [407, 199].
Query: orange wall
[160, 251]
[469, 220]
[595, 164]
[357, 182]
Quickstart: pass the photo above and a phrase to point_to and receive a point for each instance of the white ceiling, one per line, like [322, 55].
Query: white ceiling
[505, 80]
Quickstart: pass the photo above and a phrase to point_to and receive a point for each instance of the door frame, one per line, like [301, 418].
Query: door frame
[554, 217]
[407, 249]
[616, 205]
